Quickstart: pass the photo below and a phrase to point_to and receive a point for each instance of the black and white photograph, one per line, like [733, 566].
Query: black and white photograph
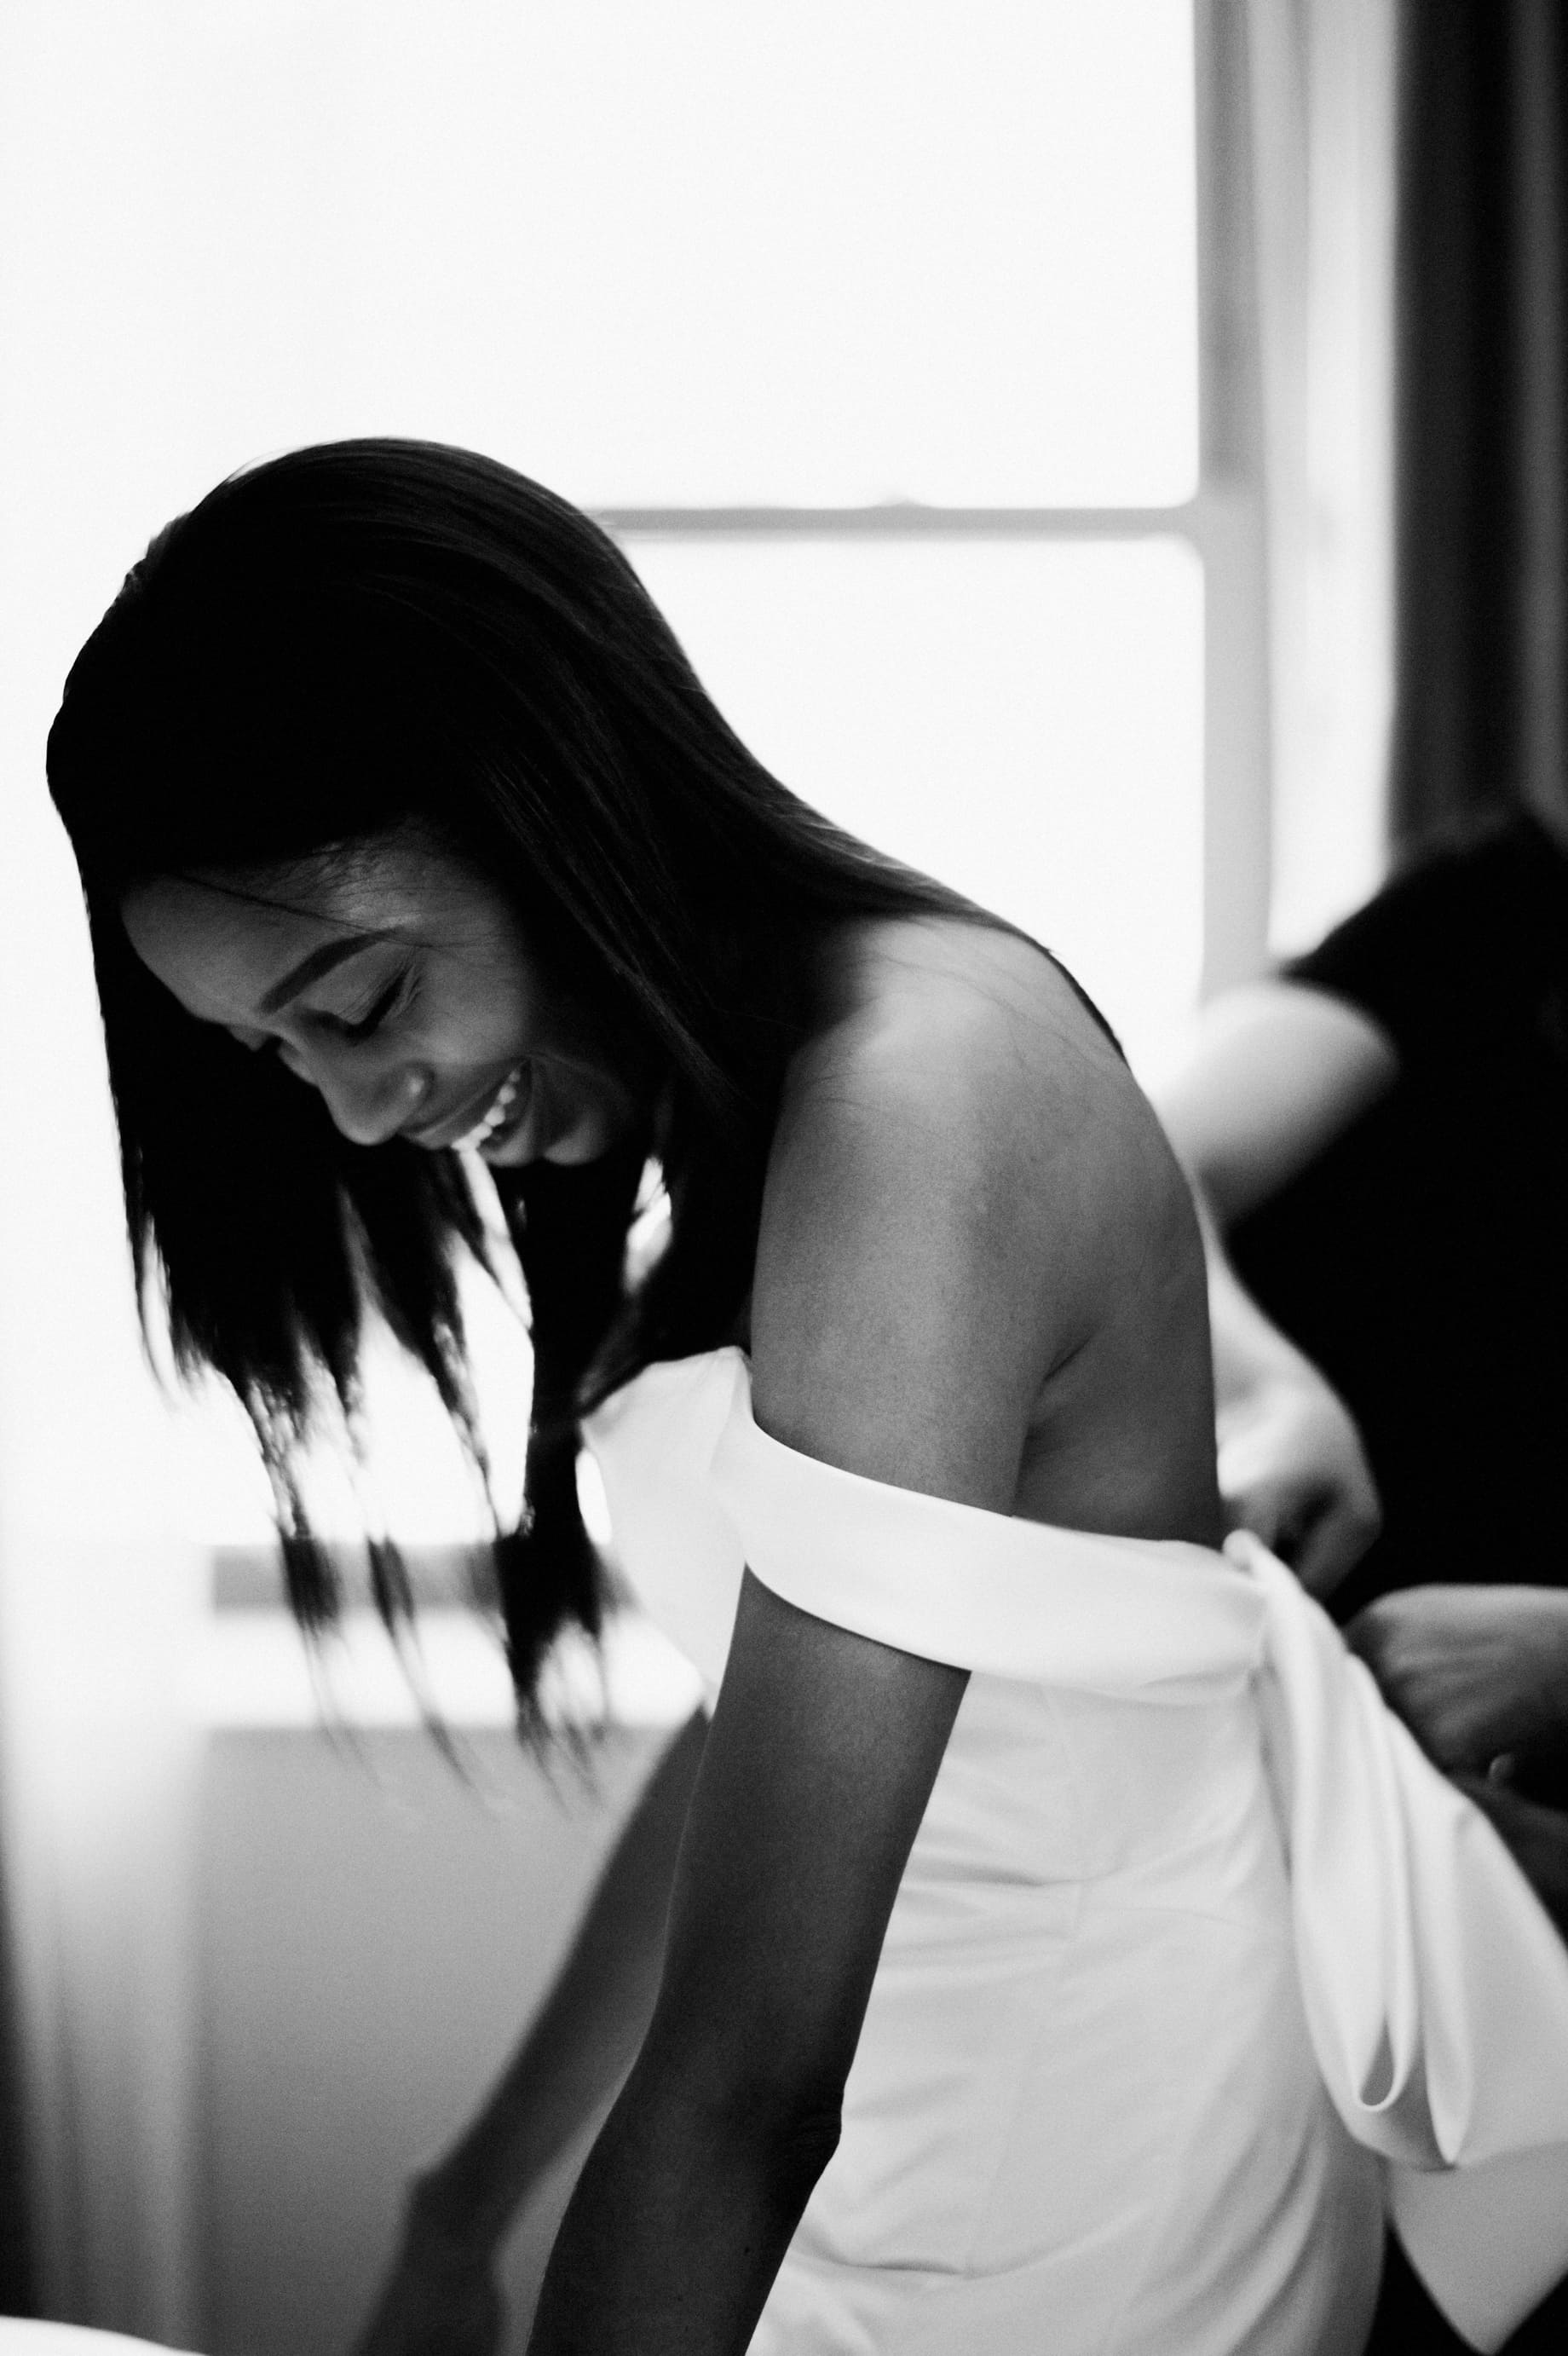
[783, 1178]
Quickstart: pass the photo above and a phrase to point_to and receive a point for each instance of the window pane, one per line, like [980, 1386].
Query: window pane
[1025, 721]
[653, 252]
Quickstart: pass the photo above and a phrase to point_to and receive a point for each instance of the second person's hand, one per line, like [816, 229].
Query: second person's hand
[1293, 1471]
[1475, 1672]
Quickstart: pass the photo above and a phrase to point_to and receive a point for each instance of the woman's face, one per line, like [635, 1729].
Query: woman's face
[395, 979]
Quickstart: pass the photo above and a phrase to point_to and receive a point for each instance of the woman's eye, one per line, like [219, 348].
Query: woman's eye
[383, 1008]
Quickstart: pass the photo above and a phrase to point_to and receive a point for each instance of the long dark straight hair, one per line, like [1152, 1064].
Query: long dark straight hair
[340, 642]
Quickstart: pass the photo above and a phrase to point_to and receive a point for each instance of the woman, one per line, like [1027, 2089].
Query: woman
[407, 832]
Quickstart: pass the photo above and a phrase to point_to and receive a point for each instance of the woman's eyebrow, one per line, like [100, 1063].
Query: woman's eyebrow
[311, 969]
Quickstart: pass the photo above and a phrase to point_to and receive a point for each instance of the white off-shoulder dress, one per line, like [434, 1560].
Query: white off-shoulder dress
[1196, 1967]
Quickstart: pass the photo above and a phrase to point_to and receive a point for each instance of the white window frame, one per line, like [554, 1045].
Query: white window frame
[1223, 521]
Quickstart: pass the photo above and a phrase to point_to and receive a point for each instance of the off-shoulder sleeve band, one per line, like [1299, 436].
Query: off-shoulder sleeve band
[981, 1590]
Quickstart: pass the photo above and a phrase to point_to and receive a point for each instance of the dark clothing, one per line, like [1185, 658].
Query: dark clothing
[1422, 1261]
[1407, 2324]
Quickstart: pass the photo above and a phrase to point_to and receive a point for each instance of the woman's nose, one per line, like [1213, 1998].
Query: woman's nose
[369, 1102]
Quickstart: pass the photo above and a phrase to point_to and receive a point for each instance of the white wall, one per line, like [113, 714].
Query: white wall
[372, 1936]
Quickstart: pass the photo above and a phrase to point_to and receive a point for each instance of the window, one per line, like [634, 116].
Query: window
[902, 345]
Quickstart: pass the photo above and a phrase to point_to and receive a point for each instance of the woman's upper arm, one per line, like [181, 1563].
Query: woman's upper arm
[819, 1760]
[902, 1317]
[1278, 1071]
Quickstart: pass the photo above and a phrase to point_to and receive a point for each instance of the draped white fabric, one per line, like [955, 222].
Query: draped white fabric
[1435, 1988]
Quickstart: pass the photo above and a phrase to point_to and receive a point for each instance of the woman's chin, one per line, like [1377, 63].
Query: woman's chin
[586, 1140]
[551, 1131]
[575, 1111]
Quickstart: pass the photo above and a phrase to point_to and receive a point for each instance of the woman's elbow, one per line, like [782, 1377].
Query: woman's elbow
[778, 2120]
[788, 2112]
[801, 2143]
[785, 2145]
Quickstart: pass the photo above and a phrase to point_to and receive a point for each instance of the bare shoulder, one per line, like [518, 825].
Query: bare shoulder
[991, 1009]
[964, 1186]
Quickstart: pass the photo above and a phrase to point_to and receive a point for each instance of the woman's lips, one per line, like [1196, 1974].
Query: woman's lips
[477, 1128]
[523, 1131]
[494, 1117]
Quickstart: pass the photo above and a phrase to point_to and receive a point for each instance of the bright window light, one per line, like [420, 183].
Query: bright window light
[652, 252]
[416, 1482]
[1024, 720]
[658, 254]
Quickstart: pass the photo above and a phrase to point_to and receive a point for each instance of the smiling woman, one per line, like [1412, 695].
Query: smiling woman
[384, 762]
[395, 979]
[954, 1970]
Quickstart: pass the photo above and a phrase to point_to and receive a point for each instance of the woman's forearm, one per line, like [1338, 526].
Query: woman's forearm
[578, 2050]
[680, 2222]
[823, 1749]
